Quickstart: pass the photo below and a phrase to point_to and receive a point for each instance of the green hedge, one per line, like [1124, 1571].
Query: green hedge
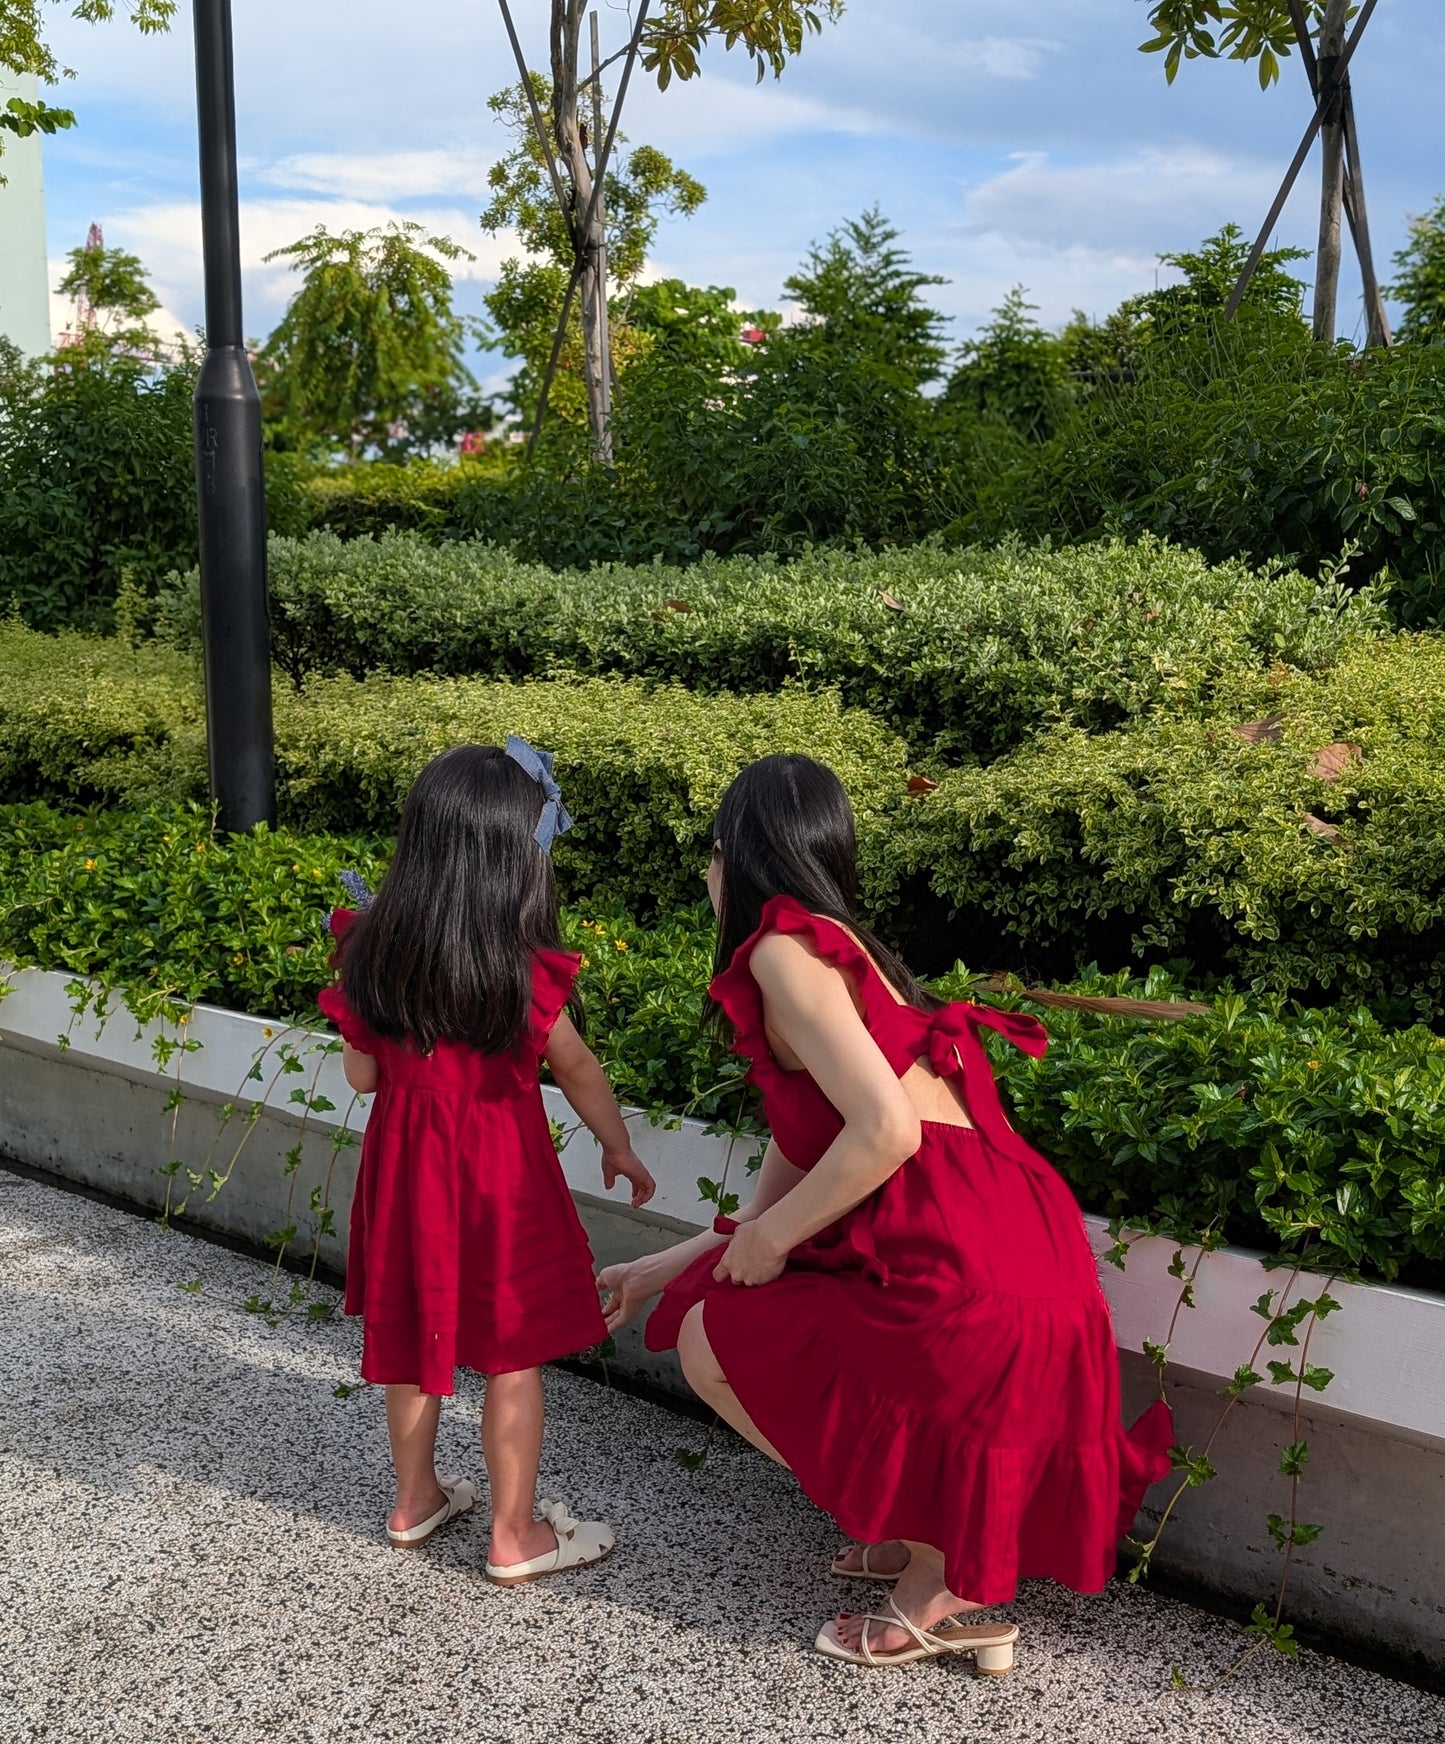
[1182, 838]
[643, 767]
[1319, 1133]
[966, 651]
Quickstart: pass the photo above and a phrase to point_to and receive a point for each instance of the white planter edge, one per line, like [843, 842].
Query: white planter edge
[1383, 1348]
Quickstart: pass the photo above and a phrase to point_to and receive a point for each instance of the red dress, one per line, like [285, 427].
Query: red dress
[939, 1364]
[466, 1247]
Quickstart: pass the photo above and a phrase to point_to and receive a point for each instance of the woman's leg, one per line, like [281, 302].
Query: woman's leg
[706, 1378]
[512, 1448]
[411, 1422]
[922, 1596]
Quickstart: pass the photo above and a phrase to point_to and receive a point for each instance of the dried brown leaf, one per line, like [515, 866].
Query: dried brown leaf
[1318, 827]
[1267, 731]
[1331, 763]
[921, 784]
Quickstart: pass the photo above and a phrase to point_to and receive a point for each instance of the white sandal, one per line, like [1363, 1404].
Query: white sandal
[991, 1644]
[579, 1542]
[864, 1573]
[460, 1494]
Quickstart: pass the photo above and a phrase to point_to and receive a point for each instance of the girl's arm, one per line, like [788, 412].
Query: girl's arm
[634, 1283]
[581, 1080]
[808, 1007]
[362, 1072]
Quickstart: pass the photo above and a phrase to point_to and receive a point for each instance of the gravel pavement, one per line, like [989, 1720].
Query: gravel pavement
[191, 1549]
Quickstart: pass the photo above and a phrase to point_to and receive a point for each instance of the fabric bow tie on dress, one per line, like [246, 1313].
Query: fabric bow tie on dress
[956, 1048]
[555, 817]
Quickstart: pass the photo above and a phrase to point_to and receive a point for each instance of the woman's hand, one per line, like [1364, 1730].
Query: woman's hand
[628, 1287]
[751, 1257]
[630, 1167]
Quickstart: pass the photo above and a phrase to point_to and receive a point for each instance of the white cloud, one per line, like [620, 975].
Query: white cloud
[167, 236]
[1139, 201]
[398, 175]
[1009, 57]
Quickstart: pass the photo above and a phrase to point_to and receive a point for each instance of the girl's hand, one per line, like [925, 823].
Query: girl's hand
[628, 1288]
[751, 1257]
[630, 1167]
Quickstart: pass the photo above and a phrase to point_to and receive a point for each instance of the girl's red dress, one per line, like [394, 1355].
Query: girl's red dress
[939, 1364]
[466, 1247]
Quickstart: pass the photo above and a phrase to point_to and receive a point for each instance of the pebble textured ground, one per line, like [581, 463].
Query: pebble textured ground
[190, 1549]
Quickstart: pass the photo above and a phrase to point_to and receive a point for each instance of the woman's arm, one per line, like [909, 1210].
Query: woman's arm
[362, 1072]
[634, 1283]
[808, 1007]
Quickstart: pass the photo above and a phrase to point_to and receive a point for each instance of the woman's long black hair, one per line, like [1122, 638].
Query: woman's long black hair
[444, 951]
[785, 828]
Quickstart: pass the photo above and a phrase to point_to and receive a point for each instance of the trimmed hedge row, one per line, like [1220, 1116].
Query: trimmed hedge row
[1311, 861]
[1318, 1132]
[643, 767]
[965, 652]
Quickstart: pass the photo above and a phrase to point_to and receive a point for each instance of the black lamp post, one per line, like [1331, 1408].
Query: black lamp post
[229, 484]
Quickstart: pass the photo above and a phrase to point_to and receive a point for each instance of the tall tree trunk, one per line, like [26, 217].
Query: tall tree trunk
[1332, 138]
[587, 240]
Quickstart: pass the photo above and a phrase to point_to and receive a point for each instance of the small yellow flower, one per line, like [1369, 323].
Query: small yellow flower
[586, 962]
[90, 865]
[184, 1019]
[621, 944]
[295, 868]
[268, 1032]
[315, 871]
[238, 958]
[1313, 1065]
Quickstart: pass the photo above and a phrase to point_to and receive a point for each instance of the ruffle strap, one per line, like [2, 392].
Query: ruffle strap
[738, 993]
[955, 1049]
[553, 973]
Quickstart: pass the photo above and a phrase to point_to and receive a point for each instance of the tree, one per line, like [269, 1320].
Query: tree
[1421, 284]
[369, 353]
[697, 325]
[113, 299]
[23, 49]
[528, 304]
[859, 294]
[669, 41]
[1015, 371]
[1264, 32]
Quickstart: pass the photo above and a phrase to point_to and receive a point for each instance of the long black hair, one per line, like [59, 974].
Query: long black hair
[444, 951]
[785, 828]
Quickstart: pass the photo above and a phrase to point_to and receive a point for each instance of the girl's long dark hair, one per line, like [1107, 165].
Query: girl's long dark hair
[785, 828]
[444, 951]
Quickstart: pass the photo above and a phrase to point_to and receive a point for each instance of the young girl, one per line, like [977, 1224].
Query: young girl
[465, 1245]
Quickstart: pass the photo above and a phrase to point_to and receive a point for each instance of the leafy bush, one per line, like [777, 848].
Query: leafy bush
[1309, 862]
[96, 480]
[966, 651]
[371, 497]
[643, 767]
[1245, 440]
[1316, 1133]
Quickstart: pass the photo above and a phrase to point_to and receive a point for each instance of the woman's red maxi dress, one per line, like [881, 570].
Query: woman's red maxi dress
[465, 1247]
[939, 1364]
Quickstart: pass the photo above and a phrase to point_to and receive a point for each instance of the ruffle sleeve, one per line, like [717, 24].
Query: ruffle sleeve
[738, 993]
[553, 974]
[333, 1001]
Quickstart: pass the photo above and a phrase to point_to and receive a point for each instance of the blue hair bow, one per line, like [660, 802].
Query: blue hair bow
[538, 764]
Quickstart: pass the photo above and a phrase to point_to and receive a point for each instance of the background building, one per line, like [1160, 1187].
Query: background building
[24, 271]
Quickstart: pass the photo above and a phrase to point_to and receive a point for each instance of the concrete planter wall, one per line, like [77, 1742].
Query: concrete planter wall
[84, 1098]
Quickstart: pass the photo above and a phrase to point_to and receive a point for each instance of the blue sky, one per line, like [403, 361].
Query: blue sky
[1021, 144]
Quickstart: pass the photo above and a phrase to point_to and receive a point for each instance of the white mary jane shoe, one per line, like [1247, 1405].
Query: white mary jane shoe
[579, 1542]
[460, 1494]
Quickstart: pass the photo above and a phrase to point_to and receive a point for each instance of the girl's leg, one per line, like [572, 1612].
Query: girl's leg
[706, 1378]
[512, 1448]
[411, 1422]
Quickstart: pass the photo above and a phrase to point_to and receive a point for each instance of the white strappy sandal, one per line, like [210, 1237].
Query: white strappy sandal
[864, 1573]
[579, 1542]
[460, 1494]
[991, 1644]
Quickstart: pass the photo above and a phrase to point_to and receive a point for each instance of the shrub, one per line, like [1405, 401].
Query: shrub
[643, 767]
[1318, 1134]
[1314, 1133]
[1323, 877]
[372, 497]
[96, 479]
[962, 651]
[1246, 440]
